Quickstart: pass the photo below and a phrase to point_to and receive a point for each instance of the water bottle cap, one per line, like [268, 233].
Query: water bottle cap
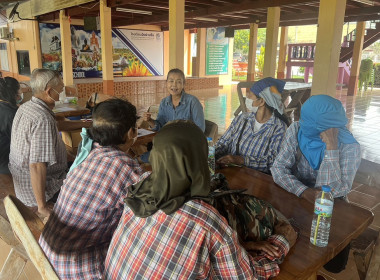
[209, 139]
[326, 188]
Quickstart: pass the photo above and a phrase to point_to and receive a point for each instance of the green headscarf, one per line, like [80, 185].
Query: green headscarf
[179, 171]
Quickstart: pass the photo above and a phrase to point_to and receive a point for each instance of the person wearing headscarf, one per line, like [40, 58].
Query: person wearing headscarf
[253, 139]
[169, 231]
[319, 150]
[79, 230]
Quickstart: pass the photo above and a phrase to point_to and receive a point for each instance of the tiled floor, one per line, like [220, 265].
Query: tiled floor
[363, 112]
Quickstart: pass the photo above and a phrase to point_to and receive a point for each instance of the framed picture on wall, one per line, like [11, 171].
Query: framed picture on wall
[23, 62]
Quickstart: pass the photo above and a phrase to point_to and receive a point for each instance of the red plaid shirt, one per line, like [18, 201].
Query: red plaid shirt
[195, 242]
[90, 204]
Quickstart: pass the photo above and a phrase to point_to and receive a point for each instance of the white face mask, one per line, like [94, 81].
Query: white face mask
[62, 96]
[20, 98]
[248, 104]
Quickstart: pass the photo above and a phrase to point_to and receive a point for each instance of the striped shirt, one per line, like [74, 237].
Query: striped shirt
[260, 148]
[77, 234]
[195, 242]
[35, 138]
[337, 170]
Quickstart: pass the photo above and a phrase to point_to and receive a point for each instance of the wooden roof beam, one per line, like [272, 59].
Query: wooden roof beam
[215, 10]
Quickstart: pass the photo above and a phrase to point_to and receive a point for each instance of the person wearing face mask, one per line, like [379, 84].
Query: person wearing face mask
[90, 204]
[253, 138]
[38, 159]
[10, 97]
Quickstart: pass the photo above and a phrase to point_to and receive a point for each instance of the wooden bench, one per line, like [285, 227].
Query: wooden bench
[363, 251]
[17, 257]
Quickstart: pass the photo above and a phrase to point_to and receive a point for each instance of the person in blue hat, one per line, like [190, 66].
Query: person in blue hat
[253, 138]
[319, 150]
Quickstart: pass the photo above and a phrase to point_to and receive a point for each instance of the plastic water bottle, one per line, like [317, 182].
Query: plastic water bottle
[211, 155]
[320, 227]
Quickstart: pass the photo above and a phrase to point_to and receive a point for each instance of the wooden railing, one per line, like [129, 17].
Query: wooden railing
[302, 51]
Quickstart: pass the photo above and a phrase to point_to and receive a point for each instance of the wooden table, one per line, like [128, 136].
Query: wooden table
[70, 110]
[304, 259]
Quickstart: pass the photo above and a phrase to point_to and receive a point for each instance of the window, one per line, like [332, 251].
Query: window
[23, 63]
[4, 57]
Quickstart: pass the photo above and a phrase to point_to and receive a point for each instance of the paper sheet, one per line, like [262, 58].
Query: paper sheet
[142, 132]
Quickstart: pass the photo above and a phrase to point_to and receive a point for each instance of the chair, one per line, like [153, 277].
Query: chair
[28, 227]
[211, 130]
[298, 98]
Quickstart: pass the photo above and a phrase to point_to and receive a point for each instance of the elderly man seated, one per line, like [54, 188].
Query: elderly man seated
[319, 150]
[38, 158]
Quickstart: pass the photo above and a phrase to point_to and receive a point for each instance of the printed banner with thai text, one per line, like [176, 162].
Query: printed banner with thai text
[136, 53]
[216, 51]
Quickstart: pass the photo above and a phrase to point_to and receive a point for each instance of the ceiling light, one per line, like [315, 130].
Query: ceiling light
[366, 2]
[206, 19]
[133, 11]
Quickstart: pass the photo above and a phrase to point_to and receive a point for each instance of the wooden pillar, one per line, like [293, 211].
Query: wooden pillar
[356, 59]
[201, 53]
[37, 45]
[106, 41]
[327, 50]
[273, 23]
[176, 33]
[282, 53]
[67, 61]
[306, 74]
[189, 57]
[253, 29]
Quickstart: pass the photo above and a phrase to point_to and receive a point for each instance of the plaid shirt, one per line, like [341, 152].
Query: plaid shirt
[78, 233]
[195, 242]
[260, 148]
[337, 170]
[35, 138]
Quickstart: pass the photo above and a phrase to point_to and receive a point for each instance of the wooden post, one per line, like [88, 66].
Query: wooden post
[356, 59]
[107, 52]
[253, 28]
[327, 50]
[282, 53]
[67, 61]
[273, 23]
[201, 53]
[176, 33]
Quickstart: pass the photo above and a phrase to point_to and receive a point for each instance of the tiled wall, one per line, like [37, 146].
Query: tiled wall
[127, 88]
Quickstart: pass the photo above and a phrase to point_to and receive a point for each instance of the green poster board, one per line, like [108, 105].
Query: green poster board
[216, 51]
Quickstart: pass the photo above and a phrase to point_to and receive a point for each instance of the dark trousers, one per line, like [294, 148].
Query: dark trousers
[338, 263]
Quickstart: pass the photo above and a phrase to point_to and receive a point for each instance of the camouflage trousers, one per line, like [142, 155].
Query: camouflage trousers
[253, 219]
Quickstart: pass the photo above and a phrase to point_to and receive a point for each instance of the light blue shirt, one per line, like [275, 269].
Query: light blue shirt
[189, 108]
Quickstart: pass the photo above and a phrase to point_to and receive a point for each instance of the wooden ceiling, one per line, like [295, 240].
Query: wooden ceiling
[211, 13]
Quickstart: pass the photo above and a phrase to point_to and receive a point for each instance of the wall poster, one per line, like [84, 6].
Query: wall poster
[136, 53]
[216, 51]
